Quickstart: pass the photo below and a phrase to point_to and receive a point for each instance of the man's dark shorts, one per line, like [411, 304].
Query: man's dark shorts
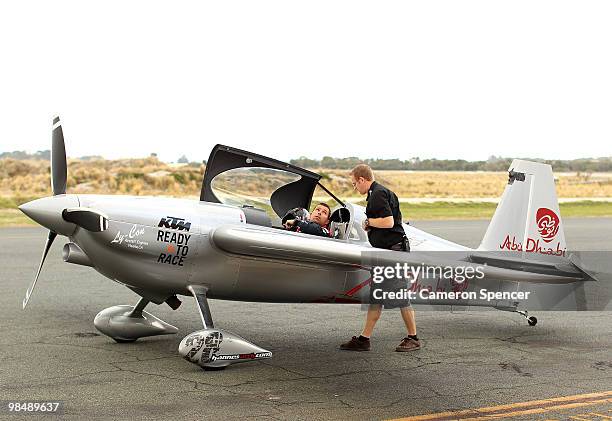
[391, 285]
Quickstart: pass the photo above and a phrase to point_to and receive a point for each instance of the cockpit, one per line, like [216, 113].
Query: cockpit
[266, 189]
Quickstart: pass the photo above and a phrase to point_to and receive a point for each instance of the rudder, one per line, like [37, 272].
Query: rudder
[527, 218]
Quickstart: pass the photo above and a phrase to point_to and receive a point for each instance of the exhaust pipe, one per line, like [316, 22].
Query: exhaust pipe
[73, 254]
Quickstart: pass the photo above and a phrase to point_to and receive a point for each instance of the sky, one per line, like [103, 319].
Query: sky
[393, 79]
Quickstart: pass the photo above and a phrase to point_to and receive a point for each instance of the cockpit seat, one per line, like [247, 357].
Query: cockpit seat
[339, 223]
[256, 216]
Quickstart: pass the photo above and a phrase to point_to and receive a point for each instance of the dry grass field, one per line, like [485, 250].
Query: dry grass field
[147, 176]
[23, 180]
[461, 184]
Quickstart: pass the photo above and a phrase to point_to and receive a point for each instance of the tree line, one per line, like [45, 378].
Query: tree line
[494, 163]
[416, 164]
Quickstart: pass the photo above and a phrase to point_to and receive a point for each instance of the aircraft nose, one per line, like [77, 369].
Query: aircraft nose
[48, 212]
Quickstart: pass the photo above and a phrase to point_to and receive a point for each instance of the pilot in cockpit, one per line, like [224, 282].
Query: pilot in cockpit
[317, 223]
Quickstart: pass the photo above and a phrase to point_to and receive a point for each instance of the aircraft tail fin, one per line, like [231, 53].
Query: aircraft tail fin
[527, 218]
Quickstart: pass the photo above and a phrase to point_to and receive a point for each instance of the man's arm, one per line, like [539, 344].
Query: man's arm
[386, 222]
[312, 228]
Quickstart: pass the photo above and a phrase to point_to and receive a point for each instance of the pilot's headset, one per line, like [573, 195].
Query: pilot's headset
[299, 214]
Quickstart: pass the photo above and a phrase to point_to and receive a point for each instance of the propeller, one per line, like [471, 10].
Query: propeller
[54, 212]
[59, 170]
[50, 239]
[59, 175]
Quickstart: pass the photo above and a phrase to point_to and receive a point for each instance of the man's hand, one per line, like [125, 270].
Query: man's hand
[365, 224]
[289, 223]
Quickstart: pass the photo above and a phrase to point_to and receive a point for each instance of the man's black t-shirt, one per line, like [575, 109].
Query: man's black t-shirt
[382, 202]
[312, 228]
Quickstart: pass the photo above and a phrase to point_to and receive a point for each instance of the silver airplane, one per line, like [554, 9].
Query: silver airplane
[230, 245]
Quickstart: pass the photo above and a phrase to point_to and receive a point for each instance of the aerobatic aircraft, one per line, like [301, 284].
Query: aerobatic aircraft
[230, 245]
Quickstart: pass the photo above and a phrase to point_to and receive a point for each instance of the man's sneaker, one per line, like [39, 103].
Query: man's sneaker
[408, 344]
[356, 344]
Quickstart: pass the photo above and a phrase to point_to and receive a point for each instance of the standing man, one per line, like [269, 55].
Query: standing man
[384, 227]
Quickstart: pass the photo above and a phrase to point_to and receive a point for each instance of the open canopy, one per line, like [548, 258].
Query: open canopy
[292, 186]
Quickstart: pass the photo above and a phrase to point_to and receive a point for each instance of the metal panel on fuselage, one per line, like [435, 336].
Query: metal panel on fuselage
[154, 243]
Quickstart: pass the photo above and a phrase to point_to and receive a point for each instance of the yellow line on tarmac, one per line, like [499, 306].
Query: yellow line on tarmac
[541, 410]
[519, 408]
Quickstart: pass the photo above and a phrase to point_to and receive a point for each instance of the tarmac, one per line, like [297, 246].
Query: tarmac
[470, 359]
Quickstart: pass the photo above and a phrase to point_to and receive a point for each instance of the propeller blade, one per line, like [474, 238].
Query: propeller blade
[90, 219]
[50, 239]
[59, 172]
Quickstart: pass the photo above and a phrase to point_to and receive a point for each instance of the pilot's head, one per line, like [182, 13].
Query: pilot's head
[320, 214]
[362, 178]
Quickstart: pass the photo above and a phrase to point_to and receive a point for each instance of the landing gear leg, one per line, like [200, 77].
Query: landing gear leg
[136, 313]
[531, 320]
[212, 348]
[199, 293]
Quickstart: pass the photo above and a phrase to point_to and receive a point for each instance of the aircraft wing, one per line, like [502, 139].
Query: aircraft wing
[289, 246]
[286, 245]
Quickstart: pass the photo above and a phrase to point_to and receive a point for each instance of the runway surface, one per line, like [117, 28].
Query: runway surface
[471, 359]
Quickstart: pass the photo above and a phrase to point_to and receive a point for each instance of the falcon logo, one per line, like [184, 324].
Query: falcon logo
[548, 224]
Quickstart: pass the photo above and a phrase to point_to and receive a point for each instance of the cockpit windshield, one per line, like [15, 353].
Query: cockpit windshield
[251, 186]
[241, 178]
